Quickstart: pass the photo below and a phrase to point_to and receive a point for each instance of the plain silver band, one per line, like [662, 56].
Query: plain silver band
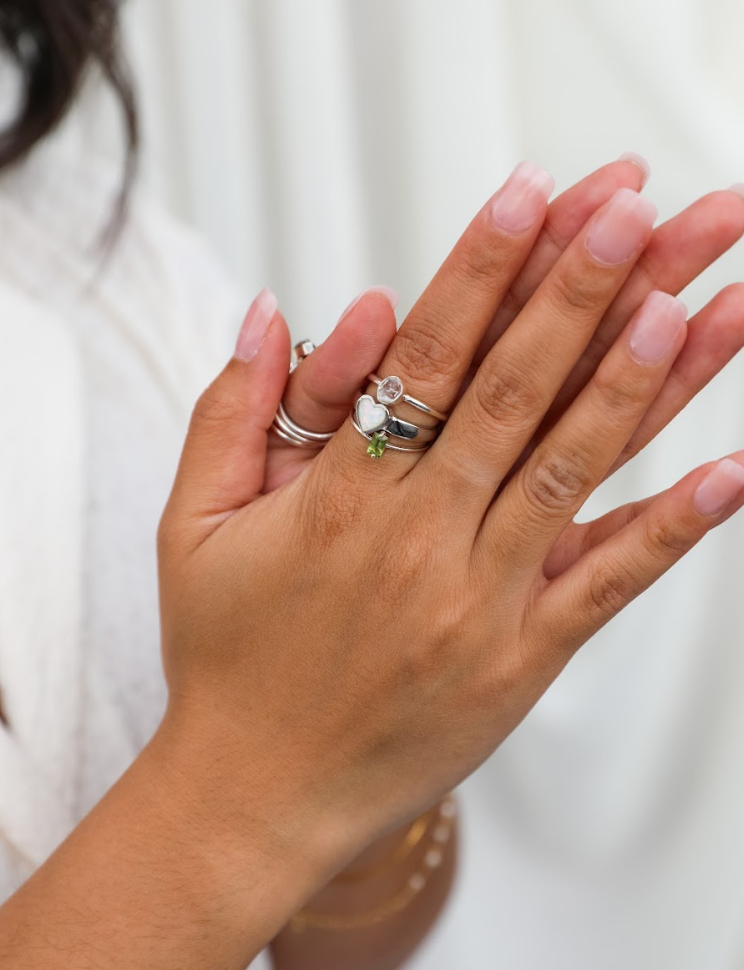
[388, 447]
[284, 426]
[413, 401]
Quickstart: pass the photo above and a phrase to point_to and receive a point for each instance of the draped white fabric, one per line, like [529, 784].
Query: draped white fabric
[323, 146]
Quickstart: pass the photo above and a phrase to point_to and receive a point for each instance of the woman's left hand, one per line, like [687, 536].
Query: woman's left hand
[321, 391]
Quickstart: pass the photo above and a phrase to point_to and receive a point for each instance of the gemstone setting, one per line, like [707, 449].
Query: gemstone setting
[390, 390]
[371, 415]
[378, 444]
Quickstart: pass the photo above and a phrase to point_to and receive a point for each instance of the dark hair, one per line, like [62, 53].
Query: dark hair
[53, 42]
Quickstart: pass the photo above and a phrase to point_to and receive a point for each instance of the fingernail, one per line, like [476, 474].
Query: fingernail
[737, 187]
[390, 295]
[620, 228]
[522, 198]
[640, 162]
[657, 327]
[719, 488]
[256, 323]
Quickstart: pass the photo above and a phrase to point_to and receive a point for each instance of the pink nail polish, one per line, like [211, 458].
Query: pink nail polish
[522, 198]
[640, 162]
[657, 327]
[255, 325]
[620, 228]
[719, 489]
[390, 295]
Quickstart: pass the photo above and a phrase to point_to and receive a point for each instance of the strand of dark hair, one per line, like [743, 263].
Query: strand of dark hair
[53, 44]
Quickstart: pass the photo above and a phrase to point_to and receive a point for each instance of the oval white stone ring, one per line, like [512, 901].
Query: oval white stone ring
[390, 389]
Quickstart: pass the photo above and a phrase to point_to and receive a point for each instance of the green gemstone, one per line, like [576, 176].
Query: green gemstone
[377, 445]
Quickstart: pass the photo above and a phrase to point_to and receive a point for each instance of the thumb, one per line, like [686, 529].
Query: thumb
[224, 457]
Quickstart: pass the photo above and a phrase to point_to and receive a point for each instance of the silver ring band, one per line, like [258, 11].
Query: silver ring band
[283, 425]
[370, 437]
[401, 395]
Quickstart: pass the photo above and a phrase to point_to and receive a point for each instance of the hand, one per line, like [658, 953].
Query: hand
[404, 588]
[320, 393]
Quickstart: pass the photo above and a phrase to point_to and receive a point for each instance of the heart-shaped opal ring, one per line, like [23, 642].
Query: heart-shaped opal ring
[371, 415]
[374, 420]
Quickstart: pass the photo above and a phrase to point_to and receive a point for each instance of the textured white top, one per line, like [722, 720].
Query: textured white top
[99, 367]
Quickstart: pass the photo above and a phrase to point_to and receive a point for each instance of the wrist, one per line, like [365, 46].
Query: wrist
[253, 833]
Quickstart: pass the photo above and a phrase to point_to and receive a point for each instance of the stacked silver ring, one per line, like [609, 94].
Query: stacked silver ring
[376, 422]
[283, 425]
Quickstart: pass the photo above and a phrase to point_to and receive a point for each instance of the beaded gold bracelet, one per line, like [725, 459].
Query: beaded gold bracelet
[432, 859]
[412, 838]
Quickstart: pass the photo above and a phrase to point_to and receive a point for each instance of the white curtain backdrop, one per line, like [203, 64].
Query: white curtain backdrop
[323, 146]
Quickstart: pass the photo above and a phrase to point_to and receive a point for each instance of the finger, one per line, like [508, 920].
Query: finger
[715, 336]
[568, 464]
[678, 252]
[521, 375]
[582, 599]
[579, 537]
[224, 457]
[435, 344]
[321, 391]
[567, 214]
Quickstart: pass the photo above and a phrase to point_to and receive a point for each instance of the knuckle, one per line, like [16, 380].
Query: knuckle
[502, 393]
[481, 261]
[575, 296]
[618, 393]
[610, 589]
[556, 483]
[664, 540]
[424, 352]
[215, 407]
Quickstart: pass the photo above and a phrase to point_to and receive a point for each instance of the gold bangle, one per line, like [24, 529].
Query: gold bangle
[414, 835]
[432, 859]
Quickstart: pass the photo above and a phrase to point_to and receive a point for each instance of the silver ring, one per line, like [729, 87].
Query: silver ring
[390, 389]
[379, 442]
[283, 425]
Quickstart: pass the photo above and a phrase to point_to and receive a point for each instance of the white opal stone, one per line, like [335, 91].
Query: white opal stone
[448, 809]
[441, 834]
[371, 415]
[433, 858]
[389, 390]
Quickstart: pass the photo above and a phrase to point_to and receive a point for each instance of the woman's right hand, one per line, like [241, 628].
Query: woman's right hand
[342, 651]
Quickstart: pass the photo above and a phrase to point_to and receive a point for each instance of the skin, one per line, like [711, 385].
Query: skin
[263, 780]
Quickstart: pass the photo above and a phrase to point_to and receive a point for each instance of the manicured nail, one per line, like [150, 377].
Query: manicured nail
[390, 295]
[657, 327]
[522, 198]
[255, 325]
[640, 162]
[619, 230]
[719, 488]
[737, 187]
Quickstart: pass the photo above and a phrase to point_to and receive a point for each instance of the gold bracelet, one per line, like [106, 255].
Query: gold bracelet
[432, 859]
[414, 835]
